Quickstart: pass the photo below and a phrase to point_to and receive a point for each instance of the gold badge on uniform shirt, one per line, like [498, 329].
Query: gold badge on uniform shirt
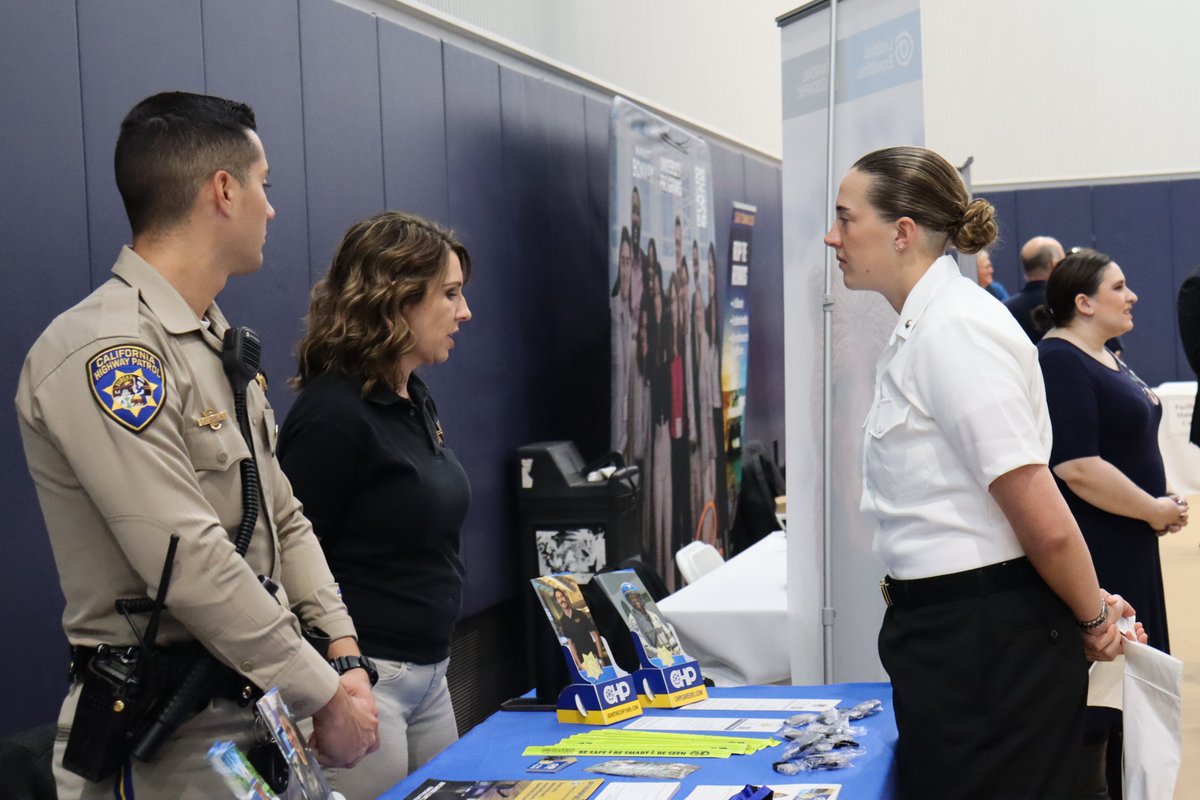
[212, 418]
[261, 379]
[437, 427]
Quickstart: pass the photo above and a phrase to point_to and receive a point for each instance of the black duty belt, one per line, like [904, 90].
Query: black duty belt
[981, 582]
[175, 660]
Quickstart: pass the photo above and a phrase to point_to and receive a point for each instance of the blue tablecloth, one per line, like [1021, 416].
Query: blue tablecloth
[492, 750]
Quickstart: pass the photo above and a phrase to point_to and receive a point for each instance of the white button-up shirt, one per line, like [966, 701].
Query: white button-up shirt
[959, 401]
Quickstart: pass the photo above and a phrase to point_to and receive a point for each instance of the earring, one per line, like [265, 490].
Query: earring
[899, 247]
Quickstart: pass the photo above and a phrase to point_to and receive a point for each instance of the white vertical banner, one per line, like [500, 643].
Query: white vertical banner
[878, 103]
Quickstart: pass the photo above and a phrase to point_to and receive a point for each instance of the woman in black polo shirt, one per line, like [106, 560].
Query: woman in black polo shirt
[367, 456]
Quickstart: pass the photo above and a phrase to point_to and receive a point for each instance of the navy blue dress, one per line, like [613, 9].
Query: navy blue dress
[1097, 411]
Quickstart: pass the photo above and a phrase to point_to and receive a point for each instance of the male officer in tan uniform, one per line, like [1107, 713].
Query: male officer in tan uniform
[129, 430]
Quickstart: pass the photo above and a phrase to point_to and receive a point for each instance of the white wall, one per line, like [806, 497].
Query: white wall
[1063, 90]
[712, 61]
[1036, 90]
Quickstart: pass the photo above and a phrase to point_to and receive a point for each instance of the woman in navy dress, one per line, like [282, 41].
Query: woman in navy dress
[1105, 455]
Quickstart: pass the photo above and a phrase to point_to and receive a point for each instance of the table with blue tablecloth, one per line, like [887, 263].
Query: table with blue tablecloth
[492, 750]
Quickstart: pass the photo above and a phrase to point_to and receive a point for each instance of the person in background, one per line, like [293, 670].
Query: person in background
[988, 574]
[1188, 309]
[641, 425]
[715, 415]
[1039, 256]
[1105, 457]
[985, 271]
[622, 338]
[129, 425]
[657, 539]
[368, 456]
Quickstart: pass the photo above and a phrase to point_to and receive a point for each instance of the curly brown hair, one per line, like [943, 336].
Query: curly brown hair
[354, 324]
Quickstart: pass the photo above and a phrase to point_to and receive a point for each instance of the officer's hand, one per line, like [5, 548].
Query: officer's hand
[358, 683]
[345, 729]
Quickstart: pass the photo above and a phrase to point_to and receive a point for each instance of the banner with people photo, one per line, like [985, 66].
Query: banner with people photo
[667, 415]
[735, 346]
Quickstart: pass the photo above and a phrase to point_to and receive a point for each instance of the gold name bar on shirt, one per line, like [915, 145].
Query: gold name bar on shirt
[212, 418]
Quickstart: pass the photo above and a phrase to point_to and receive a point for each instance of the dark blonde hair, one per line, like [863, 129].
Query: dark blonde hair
[354, 324]
[918, 183]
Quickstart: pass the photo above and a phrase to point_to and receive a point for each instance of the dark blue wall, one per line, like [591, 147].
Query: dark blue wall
[1148, 227]
[356, 114]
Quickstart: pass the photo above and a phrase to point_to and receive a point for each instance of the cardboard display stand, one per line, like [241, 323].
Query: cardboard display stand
[678, 684]
[585, 703]
[666, 676]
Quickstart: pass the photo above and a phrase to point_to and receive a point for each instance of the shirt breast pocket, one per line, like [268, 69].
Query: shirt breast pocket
[897, 462]
[215, 457]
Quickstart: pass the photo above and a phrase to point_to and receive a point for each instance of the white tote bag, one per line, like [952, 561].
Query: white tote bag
[1153, 722]
[1148, 685]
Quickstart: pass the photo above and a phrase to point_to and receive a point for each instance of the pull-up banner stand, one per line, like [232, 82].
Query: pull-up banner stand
[872, 51]
[665, 378]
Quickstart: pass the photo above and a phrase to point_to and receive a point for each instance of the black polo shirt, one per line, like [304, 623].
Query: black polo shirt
[387, 501]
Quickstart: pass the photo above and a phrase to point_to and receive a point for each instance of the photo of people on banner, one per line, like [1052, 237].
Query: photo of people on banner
[666, 377]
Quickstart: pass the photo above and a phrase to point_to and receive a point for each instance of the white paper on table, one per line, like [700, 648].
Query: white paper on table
[638, 790]
[783, 791]
[678, 723]
[761, 704]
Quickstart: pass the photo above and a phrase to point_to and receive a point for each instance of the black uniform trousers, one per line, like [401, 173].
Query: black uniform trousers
[989, 694]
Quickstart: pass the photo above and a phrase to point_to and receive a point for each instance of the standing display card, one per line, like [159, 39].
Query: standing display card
[668, 677]
[600, 692]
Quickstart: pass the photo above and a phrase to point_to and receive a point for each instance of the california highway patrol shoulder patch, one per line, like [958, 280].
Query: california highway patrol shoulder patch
[129, 384]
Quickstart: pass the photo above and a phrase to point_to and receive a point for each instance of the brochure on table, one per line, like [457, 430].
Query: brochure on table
[436, 789]
[600, 692]
[667, 677]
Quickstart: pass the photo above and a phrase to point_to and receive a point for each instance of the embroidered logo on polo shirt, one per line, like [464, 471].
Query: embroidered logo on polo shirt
[129, 384]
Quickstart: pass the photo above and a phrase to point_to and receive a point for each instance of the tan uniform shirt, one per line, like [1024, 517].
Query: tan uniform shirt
[110, 401]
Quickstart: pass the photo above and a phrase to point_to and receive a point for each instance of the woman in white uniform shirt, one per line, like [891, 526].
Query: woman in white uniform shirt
[991, 592]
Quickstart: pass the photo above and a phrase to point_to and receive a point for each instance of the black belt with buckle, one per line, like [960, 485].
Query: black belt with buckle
[176, 660]
[980, 582]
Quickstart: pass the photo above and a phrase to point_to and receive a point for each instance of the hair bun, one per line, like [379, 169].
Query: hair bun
[978, 228]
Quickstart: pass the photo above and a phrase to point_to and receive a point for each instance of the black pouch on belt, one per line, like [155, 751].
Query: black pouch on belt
[118, 693]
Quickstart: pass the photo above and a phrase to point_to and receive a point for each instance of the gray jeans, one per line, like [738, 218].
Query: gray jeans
[416, 722]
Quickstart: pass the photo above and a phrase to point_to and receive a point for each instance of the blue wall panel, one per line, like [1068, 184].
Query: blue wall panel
[765, 403]
[44, 263]
[595, 115]
[1132, 224]
[354, 112]
[1065, 214]
[1004, 252]
[476, 391]
[343, 146]
[414, 121]
[1185, 251]
[575, 276]
[252, 54]
[127, 51]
